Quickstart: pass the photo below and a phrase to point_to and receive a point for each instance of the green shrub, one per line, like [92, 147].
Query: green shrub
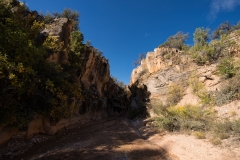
[226, 67]
[216, 141]
[52, 43]
[206, 98]
[195, 84]
[230, 91]
[175, 94]
[184, 118]
[176, 41]
[222, 129]
[158, 109]
[199, 135]
[29, 83]
[168, 123]
[223, 28]
[200, 90]
[202, 54]
[236, 127]
[76, 42]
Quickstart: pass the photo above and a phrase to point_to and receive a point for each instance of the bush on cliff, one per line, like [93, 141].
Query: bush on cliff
[226, 67]
[176, 41]
[187, 117]
[29, 83]
[223, 28]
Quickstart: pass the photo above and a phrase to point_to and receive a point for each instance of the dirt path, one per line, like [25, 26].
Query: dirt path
[185, 147]
[121, 139]
[114, 139]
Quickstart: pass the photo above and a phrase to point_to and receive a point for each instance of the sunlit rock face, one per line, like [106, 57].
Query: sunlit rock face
[101, 90]
[235, 38]
[165, 66]
[60, 29]
[161, 68]
[102, 97]
[159, 59]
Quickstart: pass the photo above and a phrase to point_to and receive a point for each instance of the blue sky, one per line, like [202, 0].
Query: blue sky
[123, 29]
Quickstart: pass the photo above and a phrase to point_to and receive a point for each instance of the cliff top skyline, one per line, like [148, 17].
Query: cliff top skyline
[124, 29]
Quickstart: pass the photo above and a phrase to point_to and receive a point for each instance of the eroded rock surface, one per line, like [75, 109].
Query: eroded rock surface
[102, 97]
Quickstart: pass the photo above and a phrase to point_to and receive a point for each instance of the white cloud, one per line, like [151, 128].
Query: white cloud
[222, 5]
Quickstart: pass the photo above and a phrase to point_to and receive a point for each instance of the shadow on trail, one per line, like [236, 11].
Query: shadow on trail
[113, 139]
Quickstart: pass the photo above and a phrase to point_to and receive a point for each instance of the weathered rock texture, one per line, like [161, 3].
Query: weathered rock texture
[161, 68]
[166, 66]
[235, 37]
[102, 96]
[61, 29]
[101, 92]
[160, 59]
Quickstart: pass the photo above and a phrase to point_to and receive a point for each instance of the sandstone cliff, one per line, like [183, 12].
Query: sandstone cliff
[101, 96]
[160, 59]
[161, 68]
[60, 29]
[166, 66]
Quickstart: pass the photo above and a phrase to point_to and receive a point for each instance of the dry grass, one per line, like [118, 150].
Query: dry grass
[175, 94]
[199, 135]
[200, 90]
[216, 141]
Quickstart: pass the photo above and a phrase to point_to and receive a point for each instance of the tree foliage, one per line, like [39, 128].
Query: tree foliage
[70, 14]
[226, 67]
[29, 83]
[237, 26]
[223, 28]
[201, 36]
[119, 83]
[137, 61]
[176, 41]
[76, 41]
[202, 52]
[66, 13]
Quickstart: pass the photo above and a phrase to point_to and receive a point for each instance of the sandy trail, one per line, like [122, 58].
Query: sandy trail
[114, 139]
[122, 139]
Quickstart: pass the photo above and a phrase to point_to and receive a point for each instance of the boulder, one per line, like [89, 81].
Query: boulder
[158, 60]
[6, 134]
[61, 29]
[35, 127]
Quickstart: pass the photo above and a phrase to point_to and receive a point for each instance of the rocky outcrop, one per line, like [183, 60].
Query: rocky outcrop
[101, 92]
[60, 29]
[160, 59]
[161, 68]
[166, 66]
[95, 72]
[102, 97]
[6, 134]
[235, 38]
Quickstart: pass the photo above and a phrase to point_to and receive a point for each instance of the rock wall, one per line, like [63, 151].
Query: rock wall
[165, 66]
[102, 96]
[160, 59]
[235, 37]
[100, 90]
[60, 29]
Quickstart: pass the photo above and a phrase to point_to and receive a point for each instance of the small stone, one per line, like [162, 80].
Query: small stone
[202, 79]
